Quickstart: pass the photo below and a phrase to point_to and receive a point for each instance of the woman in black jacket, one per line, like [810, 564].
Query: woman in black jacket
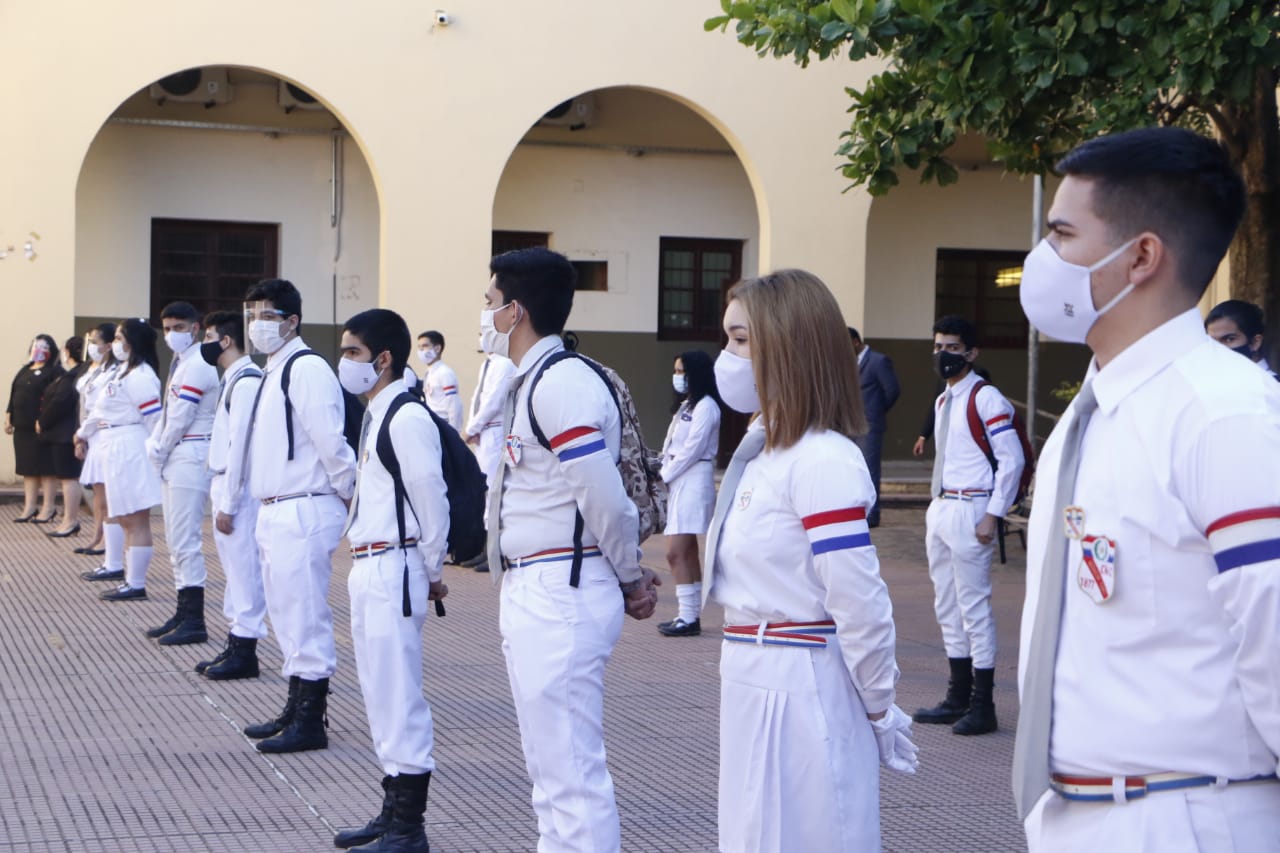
[33, 460]
[56, 427]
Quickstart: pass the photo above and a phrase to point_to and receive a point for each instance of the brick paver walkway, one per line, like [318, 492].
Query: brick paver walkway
[109, 742]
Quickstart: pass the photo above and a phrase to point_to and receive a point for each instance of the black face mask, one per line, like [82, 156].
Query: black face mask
[1245, 350]
[211, 351]
[949, 364]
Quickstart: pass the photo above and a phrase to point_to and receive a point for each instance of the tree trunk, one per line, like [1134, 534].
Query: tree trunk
[1255, 254]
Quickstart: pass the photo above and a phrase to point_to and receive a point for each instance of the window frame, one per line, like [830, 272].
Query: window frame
[707, 329]
[978, 305]
[202, 289]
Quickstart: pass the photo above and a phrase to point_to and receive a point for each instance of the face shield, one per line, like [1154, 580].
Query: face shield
[266, 328]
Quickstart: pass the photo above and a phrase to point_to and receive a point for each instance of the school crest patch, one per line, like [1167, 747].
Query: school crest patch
[1096, 574]
[512, 450]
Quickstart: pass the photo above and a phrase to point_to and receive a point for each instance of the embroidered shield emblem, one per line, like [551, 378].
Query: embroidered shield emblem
[744, 499]
[1097, 571]
[1073, 522]
[513, 449]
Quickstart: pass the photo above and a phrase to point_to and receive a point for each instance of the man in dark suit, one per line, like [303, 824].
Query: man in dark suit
[879, 393]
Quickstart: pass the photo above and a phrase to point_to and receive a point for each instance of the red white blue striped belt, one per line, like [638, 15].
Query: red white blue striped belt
[196, 437]
[964, 494]
[373, 549]
[280, 498]
[551, 555]
[798, 634]
[1097, 789]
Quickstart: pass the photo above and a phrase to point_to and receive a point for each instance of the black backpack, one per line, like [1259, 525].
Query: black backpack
[463, 480]
[352, 408]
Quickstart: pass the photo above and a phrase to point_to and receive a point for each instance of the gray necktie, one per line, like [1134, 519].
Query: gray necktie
[484, 371]
[168, 391]
[355, 498]
[248, 437]
[1031, 748]
[493, 548]
[940, 442]
[750, 447]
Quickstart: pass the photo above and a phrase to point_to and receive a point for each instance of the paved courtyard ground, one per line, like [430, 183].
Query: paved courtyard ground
[109, 742]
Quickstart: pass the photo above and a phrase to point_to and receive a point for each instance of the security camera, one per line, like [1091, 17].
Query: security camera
[442, 18]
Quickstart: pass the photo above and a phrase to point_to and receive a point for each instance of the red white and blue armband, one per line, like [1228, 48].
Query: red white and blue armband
[577, 442]
[151, 407]
[186, 392]
[1246, 538]
[837, 530]
[1000, 423]
[449, 390]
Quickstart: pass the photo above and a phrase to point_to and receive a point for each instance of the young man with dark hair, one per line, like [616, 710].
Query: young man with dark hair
[235, 513]
[179, 448]
[303, 493]
[557, 636]
[880, 391]
[1149, 675]
[968, 501]
[1239, 326]
[389, 572]
[440, 384]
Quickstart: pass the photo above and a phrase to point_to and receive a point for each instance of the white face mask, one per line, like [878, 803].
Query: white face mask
[265, 335]
[428, 355]
[736, 382]
[1057, 296]
[357, 377]
[117, 349]
[93, 352]
[491, 340]
[680, 382]
[178, 341]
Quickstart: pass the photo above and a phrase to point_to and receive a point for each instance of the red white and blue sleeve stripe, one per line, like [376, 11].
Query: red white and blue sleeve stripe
[449, 389]
[577, 442]
[1246, 538]
[1002, 422]
[191, 395]
[151, 407]
[837, 530]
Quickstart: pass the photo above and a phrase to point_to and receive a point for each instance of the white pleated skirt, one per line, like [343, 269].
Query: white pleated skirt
[91, 470]
[691, 500]
[132, 481]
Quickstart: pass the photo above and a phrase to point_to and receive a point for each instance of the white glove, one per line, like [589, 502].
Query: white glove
[153, 453]
[893, 738]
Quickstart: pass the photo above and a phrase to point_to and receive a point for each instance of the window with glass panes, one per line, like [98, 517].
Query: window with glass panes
[693, 276]
[982, 285]
[209, 264]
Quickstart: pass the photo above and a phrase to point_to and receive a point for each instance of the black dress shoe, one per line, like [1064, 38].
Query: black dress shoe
[679, 628]
[124, 592]
[93, 552]
[63, 534]
[102, 573]
[40, 520]
[25, 517]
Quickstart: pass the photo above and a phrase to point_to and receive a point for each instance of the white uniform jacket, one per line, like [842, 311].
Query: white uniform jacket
[190, 401]
[322, 461]
[693, 437]
[542, 489]
[440, 386]
[490, 393]
[1179, 669]
[129, 397]
[795, 547]
[416, 442]
[231, 424]
[964, 465]
[90, 385]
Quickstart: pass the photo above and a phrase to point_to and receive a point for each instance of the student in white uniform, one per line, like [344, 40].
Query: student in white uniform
[122, 417]
[303, 492]
[179, 448]
[807, 667]
[969, 499]
[235, 514]
[440, 384]
[1150, 678]
[393, 570]
[484, 428]
[558, 636]
[108, 538]
[689, 470]
[1239, 326]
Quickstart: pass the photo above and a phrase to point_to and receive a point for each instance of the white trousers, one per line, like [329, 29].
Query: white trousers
[557, 640]
[388, 647]
[489, 452]
[297, 539]
[799, 767]
[244, 602]
[1234, 819]
[960, 568]
[185, 490]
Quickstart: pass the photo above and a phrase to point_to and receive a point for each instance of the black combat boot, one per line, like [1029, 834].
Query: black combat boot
[203, 665]
[956, 703]
[407, 833]
[169, 624]
[307, 729]
[241, 660]
[190, 628]
[372, 830]
[981, 718]
[276, 726]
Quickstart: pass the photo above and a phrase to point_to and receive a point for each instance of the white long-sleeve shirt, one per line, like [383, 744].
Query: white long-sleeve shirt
[90, 385]
[795, 547]
[440, 386]
[543, 490]
[964, 465]
[130, 397]
[693, 437]
[322, 461]
[231, 424]
[1180, 468]
[416, 441]
[491, 391]
[189, 403]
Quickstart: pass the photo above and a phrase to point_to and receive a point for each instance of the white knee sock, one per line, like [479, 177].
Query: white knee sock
[113, 544]
[135, 574]
[690, 597]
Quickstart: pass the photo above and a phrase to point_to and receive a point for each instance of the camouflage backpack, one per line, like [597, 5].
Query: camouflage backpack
[638, 465]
